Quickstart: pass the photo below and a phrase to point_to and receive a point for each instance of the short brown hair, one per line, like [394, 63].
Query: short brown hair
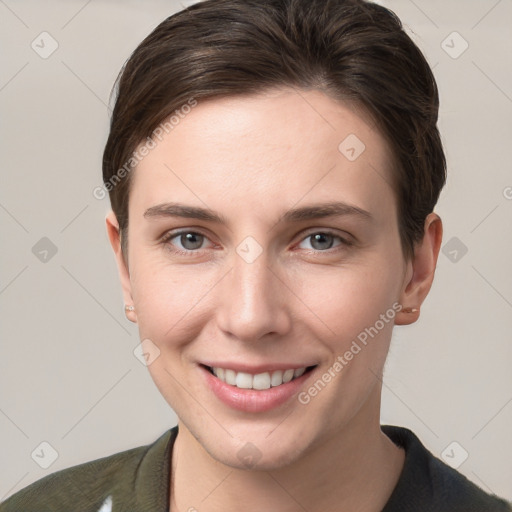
[349, 49]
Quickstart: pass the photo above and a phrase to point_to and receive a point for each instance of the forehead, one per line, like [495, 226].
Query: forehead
[281, 145]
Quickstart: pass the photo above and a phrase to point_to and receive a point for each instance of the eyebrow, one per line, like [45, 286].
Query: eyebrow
[317, 211]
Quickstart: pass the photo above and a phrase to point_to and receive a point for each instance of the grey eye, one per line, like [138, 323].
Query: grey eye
[321, 241]
[191, 241]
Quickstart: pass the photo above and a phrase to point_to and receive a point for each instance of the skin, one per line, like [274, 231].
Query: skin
[251, 159]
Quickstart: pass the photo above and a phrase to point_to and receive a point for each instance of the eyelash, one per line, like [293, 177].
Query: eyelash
[166, 240]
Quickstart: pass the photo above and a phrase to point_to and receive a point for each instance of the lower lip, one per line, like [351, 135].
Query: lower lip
[250, 400]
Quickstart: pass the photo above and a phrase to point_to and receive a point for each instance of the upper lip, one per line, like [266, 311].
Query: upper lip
[255, 369]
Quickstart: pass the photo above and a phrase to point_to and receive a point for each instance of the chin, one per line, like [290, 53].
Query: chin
[249, 457]
[257, 448]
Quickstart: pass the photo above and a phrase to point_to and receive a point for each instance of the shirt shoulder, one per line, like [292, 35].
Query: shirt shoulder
[134, 479]
[427, 484]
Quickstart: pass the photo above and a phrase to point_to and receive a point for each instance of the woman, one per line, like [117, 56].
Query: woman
[273, 167]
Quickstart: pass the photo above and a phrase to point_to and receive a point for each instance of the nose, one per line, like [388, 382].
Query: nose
[253, 301]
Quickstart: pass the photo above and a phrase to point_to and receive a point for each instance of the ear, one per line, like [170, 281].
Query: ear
[124, 274]
[420, 271]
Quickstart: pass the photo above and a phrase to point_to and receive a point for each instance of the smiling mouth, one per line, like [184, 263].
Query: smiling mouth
[260, 381]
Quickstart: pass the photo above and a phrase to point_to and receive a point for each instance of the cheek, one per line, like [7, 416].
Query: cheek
[349, 299]
[169, 298]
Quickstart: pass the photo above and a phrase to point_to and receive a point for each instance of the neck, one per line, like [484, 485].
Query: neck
[356, 468]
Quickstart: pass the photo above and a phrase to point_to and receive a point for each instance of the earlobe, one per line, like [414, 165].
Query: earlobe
[421, 273]
[113, 233]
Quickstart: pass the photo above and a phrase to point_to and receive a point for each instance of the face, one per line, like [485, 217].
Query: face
[257, 243]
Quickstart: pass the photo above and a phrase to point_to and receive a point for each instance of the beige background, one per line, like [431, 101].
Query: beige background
[68, 375]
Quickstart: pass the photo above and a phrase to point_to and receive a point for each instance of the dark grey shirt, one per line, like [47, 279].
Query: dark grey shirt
[137, 480]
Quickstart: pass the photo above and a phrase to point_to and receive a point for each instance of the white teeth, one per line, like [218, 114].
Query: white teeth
[298, 372]
[259, 381]
[230, 377]
[277, 378]
[287, 375]
[243, 380]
